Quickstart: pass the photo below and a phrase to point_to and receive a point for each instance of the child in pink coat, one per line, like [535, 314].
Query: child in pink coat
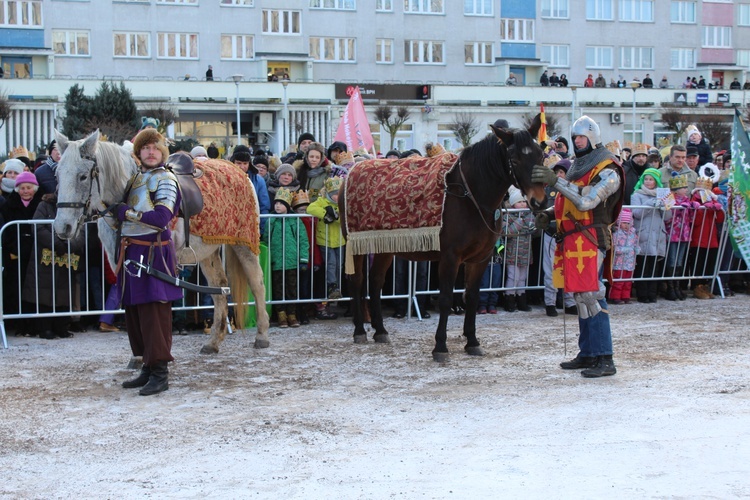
[625, 243]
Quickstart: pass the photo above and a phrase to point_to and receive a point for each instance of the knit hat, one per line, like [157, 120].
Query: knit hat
[240, 153]
[692, 129]
[433, 149]
[651, 172]
[300, 198]
[678, 182]
[332, 185]
[14, 165]
[393, 152]
[51, 146]
[626, 216]
[345, 158]
[640, 149]
[286, 168]
[563, 164]
[307, 136]
[199, 151]
[515, 196]
[26, 177]
[149, 122]
[284, 196]
[150, 136]
[564, 141]
[261, 160]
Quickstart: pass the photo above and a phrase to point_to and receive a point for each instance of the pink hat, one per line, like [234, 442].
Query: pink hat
[26, 177]
[626, 216]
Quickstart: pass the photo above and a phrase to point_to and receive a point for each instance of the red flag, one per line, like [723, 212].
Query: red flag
[354, 129]
[542, 135]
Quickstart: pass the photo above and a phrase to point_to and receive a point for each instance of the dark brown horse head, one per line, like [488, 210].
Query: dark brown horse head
[524, 154]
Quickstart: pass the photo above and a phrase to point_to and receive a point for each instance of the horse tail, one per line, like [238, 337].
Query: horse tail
[239, 285]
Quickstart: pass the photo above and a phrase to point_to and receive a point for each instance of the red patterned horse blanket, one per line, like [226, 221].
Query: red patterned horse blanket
[396, 206]
[230, 210]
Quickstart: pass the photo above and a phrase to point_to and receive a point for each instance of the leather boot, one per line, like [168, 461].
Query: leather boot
[605, 366]
[140, 380]
[679, 291]
[670, 295]
[283, 320]
[510, 303]
[579, 362]
[157, 382]
[293, 321]
[523, 304]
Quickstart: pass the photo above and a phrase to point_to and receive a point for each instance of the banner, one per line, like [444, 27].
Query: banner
[542, 135]
[354, 129]
[738, 192]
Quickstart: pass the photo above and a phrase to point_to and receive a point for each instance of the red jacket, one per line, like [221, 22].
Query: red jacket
[705, 226]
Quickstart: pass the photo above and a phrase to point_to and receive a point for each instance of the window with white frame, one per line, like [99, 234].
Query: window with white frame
[743, 14]
[636, 58]
[183, 2]
[177, 45]
[20, 14]
[682, 58]
[238, 3]
[683, 12]
[599, 57]
[637, 10]
[423, 7]
[384, 51]
[424, 52]
[333, 4]
[478, 54]
[717, 37]
[743, 58]
[237, 47]
[333, 49]
[556, 56]
[70, 43]
[556, 9]
[131, 44]
[283, 22]
[383, 5]
[478, 7]
[517, 30]
[599, 10]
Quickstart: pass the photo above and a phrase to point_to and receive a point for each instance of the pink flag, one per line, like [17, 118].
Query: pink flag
[354, 129]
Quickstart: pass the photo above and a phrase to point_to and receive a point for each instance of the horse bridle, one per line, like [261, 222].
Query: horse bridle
[93, 175]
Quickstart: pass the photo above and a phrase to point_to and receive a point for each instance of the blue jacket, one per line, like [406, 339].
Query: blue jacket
[261, 191]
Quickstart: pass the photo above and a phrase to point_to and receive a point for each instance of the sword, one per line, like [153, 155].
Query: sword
[210, 290]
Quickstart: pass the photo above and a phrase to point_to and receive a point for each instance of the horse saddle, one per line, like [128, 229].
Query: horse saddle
[192, 198]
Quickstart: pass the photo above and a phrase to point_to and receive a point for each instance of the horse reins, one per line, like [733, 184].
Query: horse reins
[86, 206]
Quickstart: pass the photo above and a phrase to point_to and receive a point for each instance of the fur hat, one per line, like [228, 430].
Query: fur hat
[711, 171]
[286, 168]
[316, 146]
[515, 196]
[284, 196]
[626, 216]
[300, 198]
[640, 149]
[150, 136]
[274, 162]
[345, 158]
[26, 177]
[678, 182]
[332, 185]
[307, 136]
[199, 151]
[433, 149]
[14, 165]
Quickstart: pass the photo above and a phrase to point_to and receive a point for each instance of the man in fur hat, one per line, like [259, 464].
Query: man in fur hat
[152, 203]
[589, 200]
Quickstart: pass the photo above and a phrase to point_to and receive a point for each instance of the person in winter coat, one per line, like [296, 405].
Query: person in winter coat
[678, 229]
[313, 170]
[649, 214]
[344, 164]
[332, 153]
[544, 79]
[328, 235]
[695, 138]
[634, 168]
[285, 177]
[518, 228]
[45, 174]
[704, 239]
[625, 243]
[241, 157]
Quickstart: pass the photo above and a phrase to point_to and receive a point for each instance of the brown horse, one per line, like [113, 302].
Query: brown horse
[474, 190]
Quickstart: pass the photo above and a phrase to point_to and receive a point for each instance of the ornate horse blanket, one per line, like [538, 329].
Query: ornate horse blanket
[396, 206]
[230, 210]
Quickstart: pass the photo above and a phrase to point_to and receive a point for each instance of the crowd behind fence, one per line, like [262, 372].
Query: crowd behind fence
[88, 287]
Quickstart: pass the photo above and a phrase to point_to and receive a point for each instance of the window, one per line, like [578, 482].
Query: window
[478, 53]
[423, 7]
[743, 15]
[717, 37]
[555, 8]
[637, 10]
[237, 47]
[185, 2]
[384, 5]
[743, 58]
[637, 58]
[423, 52]
[333, 4]
[517, 30]
[599, 57]
[556, 56]
[71, 43]
[682, 59]
[683, 12]
[599, 10]
[238, 3]
[285, 22]
[132, 44]
[333, 49]
[384, 51]
[21, 14]
[177, 46]
[478, 7]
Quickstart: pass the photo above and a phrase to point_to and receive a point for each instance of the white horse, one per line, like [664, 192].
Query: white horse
[93, 175]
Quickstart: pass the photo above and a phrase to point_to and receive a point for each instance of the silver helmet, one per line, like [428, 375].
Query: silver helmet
[588, 127]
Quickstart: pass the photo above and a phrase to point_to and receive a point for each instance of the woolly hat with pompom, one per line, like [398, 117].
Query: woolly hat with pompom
[515, 196]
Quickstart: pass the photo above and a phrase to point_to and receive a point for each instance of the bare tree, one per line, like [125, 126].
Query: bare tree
[112, 130]
[165, 113]
[716, 130]
[5, 109]
[553, 123]
[384, 116]
[464, 127]
[674, 120]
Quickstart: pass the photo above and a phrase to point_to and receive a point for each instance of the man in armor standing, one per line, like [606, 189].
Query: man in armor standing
[151, 204]
[589, 201]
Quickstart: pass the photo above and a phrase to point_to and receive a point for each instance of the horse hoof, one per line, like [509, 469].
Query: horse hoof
[382, 338]
[261, 343]
[209, 349]
[474, 350]
[440, 357]
[360, 339]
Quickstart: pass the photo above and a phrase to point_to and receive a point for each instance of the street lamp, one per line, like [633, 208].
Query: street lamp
[285, 84]
[237, 79]
[634, 85]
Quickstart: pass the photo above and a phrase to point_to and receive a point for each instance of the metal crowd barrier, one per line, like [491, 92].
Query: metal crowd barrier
[87, 285]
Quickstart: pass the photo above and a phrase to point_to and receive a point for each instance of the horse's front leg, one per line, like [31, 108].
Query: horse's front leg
[447, 270]
[473, 276]
[355, 285]
[380, 265]
[213, 271]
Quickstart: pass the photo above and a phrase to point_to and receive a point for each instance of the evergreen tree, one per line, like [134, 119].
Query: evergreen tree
[112, 110]
[78, 109]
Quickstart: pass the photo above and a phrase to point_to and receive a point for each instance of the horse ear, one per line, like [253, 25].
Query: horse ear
[62, 141]
[90, 142]
[505, 135]
[536, 124]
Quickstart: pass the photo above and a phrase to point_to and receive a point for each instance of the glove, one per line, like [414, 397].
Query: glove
[330, 216]
[117, 208]
[543, 175]
[542, 221]
[588, 305]
[695, 204]
[685, 204]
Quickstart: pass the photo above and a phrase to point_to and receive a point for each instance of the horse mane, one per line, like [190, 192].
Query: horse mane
[116, 169]
[487, 160]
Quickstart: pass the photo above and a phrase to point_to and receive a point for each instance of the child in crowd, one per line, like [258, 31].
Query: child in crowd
[344, 163]
[492, 278]
[285, 177]
[678, 227]
[328, 235]
[625, 243]
[704, 240]
[518, 226]
[289, 250]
